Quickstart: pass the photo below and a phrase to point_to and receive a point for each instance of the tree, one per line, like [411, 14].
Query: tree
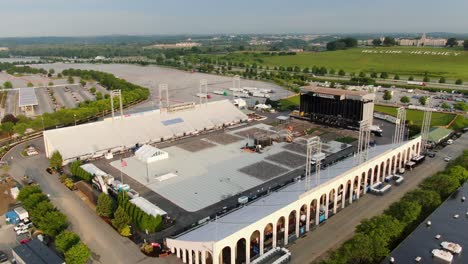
[51, 71]
[341, 72]
[411, 78]
[441, 183]
[92, 90]
[373, 75]
[376, 42]
[460, 173]
[82, 82]
[405, 211]
[428, 199]
[78, 254]
[451, 42]
[7, 127]
[362, 74]
[444, 105]
[405, 99]
[426, 78]
[56, 160]
[26, 191]
[459, 82]
[99, 96]
[396, 77]
[53, 223]
[389, 41]
[10, 118]
[59, 75]
[384, 226]
[125, 231]
[423, 100]
[442, 80]
[105, 205]
[40, 209]
[66, 240]
[30, 84]
[70, 80]
[7, 85]
[462, 106]
[384, 75]
[32, 200]
[387, 95]
[51, 83]
[121, 219]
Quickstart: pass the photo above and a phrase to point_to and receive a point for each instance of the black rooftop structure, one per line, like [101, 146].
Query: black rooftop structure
[35, 252]
[422, 240]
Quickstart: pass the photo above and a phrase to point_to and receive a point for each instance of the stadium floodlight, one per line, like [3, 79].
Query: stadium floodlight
[314, 148]
[400, 126]
[163, 88]
[426, 125]
[363, 141]
[116, 93]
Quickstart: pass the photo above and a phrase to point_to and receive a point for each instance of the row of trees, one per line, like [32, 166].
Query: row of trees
[137, 216]
[377, 236]
[79, 173]
[53, 223]
[12, 68]
[342, 44]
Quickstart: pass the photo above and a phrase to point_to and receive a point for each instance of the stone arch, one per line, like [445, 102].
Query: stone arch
[348, 191]
[323, 208]
[387, 167]
[313, 212]
[268, 237]
[240, 250]
[393, 166]
[208, 257]
[370, 180]
[254, 244]
[280, 228]
[375, 175]
[292, 223]
[225, 255]
[417, 148]
[340, 196]
[332, 201]
[303, 219]
[382, 171]
[363, 183]
[356, 188]
[408, 154]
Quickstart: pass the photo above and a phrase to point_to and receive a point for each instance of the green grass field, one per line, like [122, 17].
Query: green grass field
[438, 119]
[354, 60]
[290, 101]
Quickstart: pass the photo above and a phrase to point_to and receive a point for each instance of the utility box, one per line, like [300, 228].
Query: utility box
[243, 199]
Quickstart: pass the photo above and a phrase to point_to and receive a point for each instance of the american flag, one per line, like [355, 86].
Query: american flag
[123, 163]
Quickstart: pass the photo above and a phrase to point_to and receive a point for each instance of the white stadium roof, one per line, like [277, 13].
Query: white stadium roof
[27, 97]
[253, 212]
[142, 128]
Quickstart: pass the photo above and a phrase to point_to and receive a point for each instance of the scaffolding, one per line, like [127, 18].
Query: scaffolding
[116, 93]
[363, 141]
[426, 124]
[203, 91]
[314, 147]
[163, 89]
[400, 126]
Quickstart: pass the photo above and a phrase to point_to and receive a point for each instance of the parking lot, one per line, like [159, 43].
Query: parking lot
[183, 86]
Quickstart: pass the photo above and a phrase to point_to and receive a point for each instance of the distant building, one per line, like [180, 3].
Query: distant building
[35, 252]
[3, 48]
[423, 41]
[178, 45]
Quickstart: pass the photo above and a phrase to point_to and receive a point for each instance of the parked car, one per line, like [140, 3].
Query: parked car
[22, 231]
[49, 170]
[447, 159]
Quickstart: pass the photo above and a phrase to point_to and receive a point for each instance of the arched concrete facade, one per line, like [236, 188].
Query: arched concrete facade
[321, 201]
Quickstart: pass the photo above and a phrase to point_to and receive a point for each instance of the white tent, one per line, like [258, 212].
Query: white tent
[148, 154]
[148, 207]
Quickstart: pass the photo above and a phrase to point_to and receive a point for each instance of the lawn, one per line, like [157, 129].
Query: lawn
[355, 60]
[460, 122]
[290, 101]
[438, 119]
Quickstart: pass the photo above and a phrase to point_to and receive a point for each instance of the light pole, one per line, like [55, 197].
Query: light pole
[74, 116]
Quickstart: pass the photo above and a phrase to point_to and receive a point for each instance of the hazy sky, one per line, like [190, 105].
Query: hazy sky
[137, 17]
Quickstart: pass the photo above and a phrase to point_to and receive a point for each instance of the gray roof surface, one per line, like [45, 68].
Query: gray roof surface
[27, 97]
[422, 241]
[235, 221]
[35, 252]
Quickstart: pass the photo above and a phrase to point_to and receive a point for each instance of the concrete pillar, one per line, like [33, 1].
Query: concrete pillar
[317, 213]
[307, 218]
[365, 182]
[233, 255]
[351, 192]
[358, 191]
[203, 257]
[178, 252]
[327, 200]
[184, 256]
[335, 202]
[190, 257]
[262, 242]
[274, 235]
[298, 214]
[197, 257]
[286, 230]
[343, 197]
[247, 249]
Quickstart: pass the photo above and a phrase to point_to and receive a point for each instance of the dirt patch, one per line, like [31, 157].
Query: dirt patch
[6, 200]
[195, 145]
[224, 139]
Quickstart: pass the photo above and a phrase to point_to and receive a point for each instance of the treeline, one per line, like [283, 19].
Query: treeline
[78, 172]
[131, 93]
[342, 44]
[377, 236]
[11, 68]
[138, 217]
[53, 223]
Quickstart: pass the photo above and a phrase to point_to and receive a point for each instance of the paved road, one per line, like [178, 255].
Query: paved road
[340, 227]
[106, 244]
